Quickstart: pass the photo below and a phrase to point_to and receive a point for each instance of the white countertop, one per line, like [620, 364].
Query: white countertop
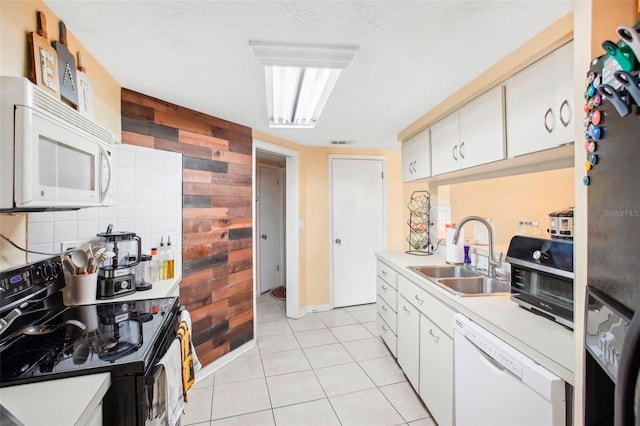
[56, 402]
[544, 341]
[71, 401]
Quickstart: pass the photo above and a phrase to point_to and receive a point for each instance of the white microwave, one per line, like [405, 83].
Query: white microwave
[51, 157]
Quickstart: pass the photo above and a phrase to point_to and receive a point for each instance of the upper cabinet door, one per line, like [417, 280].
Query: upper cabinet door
[416, 157]
[482, 129]
[445, 149]
[539, 107]
[563, 104]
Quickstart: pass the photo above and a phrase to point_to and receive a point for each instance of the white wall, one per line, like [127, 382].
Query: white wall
[148, 201]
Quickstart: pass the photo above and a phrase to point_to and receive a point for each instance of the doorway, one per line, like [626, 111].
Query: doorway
[358, 227]
[289, 267]
[270, 232]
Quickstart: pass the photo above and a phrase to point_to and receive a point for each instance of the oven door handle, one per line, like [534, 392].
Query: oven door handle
[151, 380]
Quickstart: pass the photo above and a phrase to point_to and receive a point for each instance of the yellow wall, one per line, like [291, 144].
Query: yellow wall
[508, 200]
[314, 209]
[17, 20]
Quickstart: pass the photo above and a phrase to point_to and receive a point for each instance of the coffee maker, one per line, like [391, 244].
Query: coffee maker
[116, 275]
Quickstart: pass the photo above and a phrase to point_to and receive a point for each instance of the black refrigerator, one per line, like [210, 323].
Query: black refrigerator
[612, 176]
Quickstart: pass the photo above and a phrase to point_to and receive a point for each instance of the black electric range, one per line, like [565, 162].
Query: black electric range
[49, 340]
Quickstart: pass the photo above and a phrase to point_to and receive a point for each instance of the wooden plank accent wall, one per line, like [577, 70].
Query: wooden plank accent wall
[217, 276]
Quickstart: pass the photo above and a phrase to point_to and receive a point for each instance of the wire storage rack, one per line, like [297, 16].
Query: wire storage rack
[419, 222]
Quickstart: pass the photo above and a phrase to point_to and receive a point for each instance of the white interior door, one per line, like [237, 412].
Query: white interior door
[269, 227]
[358, 220]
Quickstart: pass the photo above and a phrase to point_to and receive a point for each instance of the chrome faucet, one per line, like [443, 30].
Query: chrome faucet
[11, 317]
[492, 262]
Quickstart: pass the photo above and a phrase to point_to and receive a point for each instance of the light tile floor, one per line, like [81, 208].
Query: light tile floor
[326, 368]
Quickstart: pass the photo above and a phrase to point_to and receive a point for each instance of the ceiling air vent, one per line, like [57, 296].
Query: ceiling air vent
[341, 142]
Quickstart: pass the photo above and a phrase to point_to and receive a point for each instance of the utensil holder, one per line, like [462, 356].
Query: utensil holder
[80, 289]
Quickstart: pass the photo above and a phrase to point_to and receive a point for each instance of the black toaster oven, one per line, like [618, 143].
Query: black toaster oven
[542, 277]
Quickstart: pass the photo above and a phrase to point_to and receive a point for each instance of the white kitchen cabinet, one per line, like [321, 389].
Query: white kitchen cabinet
[408, 341]
[470, 136]
[539, 104]
[387, 305]
[416, 157]
[482, 129]
[445, 140]
[425, 347]
[436, 371]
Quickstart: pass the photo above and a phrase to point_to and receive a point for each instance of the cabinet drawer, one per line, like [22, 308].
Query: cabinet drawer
[387, 274]
[388, 315]
[388, 293]
[437, 312]
[387, 335]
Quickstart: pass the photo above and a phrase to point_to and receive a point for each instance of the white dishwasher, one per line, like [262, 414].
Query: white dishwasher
[497, 385]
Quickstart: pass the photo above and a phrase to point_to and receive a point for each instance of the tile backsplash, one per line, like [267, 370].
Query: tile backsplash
[148, 201]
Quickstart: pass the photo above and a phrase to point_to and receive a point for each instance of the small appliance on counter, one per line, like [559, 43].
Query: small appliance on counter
[542, 276]
[116, 276]
[143, 273]
[561, 224]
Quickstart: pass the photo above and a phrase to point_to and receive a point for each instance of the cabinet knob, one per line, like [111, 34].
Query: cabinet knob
[433, 336]
[384, 288]
[406, 310]
[454, 152]
[384, 308]
[338, 241]
[462, 150]
[420, 301]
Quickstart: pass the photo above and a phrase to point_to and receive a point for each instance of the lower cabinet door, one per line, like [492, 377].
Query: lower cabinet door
[436, 371]
[408, 340]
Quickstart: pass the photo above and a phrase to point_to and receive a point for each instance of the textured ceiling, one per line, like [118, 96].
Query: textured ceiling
[413, 54]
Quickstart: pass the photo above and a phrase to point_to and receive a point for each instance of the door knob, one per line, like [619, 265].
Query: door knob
[263, 236]
[338, 241]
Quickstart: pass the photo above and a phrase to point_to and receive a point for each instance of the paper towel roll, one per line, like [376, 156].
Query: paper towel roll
[454, 252]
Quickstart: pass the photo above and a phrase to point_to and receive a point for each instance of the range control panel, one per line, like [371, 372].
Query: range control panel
[19, 283]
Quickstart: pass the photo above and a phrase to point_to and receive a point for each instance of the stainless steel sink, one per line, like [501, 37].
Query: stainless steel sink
[475, 286]
[443, 271]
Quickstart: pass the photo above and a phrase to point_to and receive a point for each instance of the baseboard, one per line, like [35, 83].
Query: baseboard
[314, 308]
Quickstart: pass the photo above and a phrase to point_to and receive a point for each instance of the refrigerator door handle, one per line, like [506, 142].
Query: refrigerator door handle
[628, 375]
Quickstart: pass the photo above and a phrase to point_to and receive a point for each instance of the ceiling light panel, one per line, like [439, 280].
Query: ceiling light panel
[299, 79]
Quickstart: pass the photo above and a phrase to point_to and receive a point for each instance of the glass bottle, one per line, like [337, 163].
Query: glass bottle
[155, 268]
[162, 264]
[171, 273]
